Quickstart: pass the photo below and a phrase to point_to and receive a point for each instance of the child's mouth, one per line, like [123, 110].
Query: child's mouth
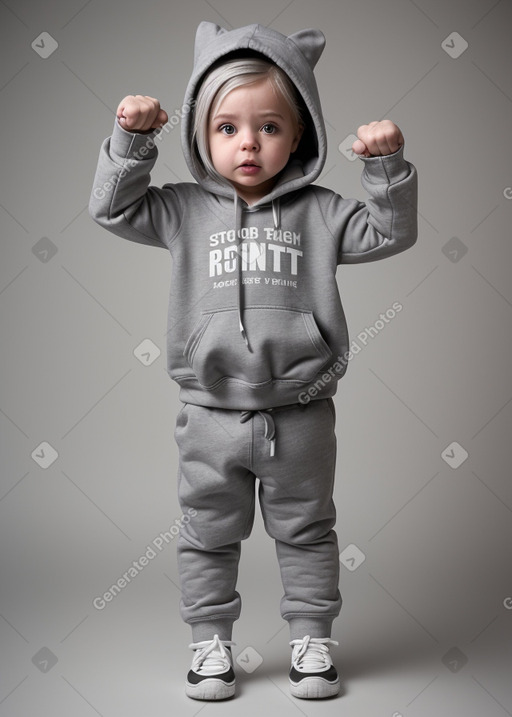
[249, 168]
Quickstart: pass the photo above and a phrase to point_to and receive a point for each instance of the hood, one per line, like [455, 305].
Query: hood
[297, 55]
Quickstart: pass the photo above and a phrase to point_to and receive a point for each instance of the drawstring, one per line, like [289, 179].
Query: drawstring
[238, 226]
[276, 214]
[268, 420]
[270, 426]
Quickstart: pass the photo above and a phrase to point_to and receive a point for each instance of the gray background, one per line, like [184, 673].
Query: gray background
[435, 587]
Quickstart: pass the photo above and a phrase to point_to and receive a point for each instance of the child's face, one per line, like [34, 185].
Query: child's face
[251, 137]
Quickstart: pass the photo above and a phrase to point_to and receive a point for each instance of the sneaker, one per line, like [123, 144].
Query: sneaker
[211, 676]
[312, 674]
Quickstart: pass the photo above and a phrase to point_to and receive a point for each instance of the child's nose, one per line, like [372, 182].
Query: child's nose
[249, 141]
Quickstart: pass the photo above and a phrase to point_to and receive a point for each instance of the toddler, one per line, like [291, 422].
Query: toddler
[257, 337]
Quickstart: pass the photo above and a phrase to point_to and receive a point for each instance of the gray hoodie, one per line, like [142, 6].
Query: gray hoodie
[255, 317]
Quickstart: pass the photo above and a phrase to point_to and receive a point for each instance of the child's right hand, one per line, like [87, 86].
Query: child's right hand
[140, 113]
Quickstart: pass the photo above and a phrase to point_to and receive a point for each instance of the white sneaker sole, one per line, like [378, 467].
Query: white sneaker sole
[210, 690]
[314, 688]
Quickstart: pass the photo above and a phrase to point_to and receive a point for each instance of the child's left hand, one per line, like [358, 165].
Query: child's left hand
[377, 139]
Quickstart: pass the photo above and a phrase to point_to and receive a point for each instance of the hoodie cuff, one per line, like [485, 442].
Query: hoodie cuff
[133, 144]
[389, 168]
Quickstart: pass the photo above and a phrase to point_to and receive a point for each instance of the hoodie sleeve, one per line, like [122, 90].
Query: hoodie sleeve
[387, 223]
[122, 200]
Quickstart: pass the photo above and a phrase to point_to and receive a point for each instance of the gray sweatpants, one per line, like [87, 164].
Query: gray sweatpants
[222, 452]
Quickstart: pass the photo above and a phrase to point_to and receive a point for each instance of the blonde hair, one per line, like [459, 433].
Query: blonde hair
[224, 78]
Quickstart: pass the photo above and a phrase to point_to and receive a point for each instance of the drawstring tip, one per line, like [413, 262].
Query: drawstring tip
[244, 335]
[272, 447]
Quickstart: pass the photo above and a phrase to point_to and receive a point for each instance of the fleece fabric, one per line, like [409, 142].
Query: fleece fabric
[255, 315]
[222, 453]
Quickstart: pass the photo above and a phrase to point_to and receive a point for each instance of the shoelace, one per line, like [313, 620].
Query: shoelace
[311, 654]
[211, 657]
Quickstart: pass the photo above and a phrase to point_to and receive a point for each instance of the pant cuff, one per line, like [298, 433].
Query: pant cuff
[312, 626]
[207, 629]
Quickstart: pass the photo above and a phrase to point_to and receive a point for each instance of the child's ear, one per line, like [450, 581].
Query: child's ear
[297, 138]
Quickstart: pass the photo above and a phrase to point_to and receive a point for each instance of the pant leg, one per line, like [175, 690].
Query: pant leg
[213, 480]
[296, 498]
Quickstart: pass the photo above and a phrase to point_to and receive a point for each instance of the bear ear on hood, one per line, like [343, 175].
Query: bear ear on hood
[206, 31]
[311, 43]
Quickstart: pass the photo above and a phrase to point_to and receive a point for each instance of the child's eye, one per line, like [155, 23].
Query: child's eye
[269, 128]
[227, 129]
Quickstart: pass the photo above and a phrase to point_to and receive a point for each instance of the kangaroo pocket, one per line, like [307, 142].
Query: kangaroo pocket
[284, 345]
